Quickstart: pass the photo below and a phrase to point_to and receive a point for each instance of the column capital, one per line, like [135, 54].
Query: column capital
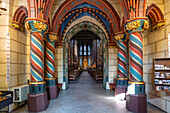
[158, 24]
[120, 37]
[51, 37]
[17, 25]
[36, 25]
[138, 24]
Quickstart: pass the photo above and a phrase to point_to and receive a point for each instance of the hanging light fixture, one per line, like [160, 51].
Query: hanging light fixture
[2, 7]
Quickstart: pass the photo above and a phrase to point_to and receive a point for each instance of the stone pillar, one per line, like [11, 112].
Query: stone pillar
[52, 89]
[136, 98]
[37, 97]
[121, 81]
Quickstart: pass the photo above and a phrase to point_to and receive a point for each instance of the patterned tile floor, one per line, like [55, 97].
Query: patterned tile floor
[86, 96]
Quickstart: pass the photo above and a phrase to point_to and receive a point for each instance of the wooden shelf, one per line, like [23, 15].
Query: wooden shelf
[162, 62]
[163, 78]
[163, 84]
[162, 70]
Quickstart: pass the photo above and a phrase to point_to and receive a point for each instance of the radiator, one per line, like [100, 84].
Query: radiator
[20, 93]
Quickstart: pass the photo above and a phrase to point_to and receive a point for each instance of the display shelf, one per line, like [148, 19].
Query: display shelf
[6, 98]
[163, 78]
[163, 84]
[161, 68]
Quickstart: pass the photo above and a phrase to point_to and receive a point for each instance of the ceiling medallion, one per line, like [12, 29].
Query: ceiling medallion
[85, 9]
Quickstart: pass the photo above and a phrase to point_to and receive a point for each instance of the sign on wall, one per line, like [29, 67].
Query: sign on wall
[8, 58]
[169, 43]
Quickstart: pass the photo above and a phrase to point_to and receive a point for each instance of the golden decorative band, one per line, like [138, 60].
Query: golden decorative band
[146, 18]
[49, 78]
[136, 82]
[122, 78]
[37, 82]
[37, 20]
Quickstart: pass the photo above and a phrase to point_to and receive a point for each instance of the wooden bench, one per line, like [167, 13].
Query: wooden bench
[74, 75]
[112, 86]
[97, 75]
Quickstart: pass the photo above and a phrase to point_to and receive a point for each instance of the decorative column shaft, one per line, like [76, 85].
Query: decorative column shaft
[122, 61]
[36, 56]
[37, 98]
[135, 27]
[136, 57]
[136, 97]
[51, 38]
[121, 81]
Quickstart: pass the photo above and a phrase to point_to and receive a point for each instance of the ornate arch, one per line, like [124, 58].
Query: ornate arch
[156, 16]
[19, 18]
[77, 15]
[102, 5]
[85, 25]
[39, 8]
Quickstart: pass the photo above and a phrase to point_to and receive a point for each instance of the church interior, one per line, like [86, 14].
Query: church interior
[85, 56]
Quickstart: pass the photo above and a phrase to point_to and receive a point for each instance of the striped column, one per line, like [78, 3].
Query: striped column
[135, 27]
[51, 38]
[37, 28]
[136, 57]
[136, 99]
[122, 59]
[121, 81]
[37, 97]
[36, 57]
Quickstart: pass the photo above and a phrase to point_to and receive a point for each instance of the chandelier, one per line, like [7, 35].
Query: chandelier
[2, 7]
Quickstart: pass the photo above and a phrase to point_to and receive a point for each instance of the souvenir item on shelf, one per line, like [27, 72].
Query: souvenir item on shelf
[167, 75]
[157, 74]
[162, 75]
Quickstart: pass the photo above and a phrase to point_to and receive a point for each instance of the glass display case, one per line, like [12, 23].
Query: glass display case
[6, 98]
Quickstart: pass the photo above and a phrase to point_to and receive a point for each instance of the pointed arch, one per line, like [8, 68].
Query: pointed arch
[19, 18]
[39, 8]
[103, 5]
[156, 16]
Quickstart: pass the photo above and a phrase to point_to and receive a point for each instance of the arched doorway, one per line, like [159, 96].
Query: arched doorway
[85, 42]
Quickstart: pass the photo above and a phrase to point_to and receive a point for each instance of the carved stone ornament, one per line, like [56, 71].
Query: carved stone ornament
[53, 38]
[158, 25]
[40, 26]
[133, 25]
[145, 25]
[16, 25]
[27, 26]
[119, 37]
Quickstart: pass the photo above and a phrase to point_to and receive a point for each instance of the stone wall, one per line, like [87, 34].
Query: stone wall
[19, 51]
[19, 58]
[112, 65]
[5, 19]
[59, 65]
[156, 46]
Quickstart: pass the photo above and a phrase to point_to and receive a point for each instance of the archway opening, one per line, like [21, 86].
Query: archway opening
[86, 52]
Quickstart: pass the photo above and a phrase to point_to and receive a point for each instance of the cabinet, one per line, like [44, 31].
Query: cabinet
[162, 74]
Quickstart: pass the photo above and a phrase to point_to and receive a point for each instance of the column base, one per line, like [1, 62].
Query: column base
[37, 102]
[57, 91]
[52, 92]
[120, 91]
[136, 103]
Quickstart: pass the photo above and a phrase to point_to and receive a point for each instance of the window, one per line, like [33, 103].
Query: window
[88, 50]
[81, 50]
[81, 62]
[88, 61]
[84, 49]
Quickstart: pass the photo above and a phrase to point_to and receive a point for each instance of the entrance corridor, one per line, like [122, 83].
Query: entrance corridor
[86, 96]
